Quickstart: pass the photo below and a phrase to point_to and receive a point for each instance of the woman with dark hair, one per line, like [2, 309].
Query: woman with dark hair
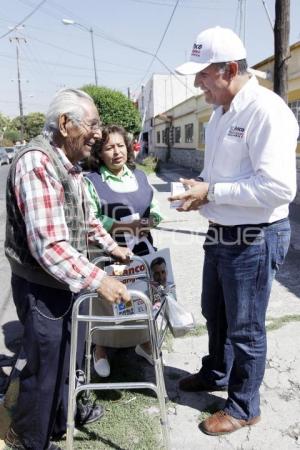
[122, 199]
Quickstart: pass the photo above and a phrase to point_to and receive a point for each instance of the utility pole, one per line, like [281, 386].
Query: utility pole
[281, 47]
[94, 57]
[17, 40]
[91, 31]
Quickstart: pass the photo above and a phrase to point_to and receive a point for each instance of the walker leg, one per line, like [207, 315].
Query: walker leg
[161, 394]
[72, 381]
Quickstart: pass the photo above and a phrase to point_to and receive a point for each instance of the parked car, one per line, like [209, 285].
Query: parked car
[3, 156]
[11, 151]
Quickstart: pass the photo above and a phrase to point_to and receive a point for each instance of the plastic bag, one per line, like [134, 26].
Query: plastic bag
[180, 321]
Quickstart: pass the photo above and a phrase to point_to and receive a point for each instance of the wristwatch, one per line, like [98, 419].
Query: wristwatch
[211, 193]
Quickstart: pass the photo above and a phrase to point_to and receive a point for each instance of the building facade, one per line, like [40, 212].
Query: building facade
[161, 93]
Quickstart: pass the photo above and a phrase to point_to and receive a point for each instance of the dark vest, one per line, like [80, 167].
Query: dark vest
[16, 246]
[117, 204]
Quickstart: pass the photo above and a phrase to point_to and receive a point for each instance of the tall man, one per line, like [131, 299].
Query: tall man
[48, 228]
[248, 181]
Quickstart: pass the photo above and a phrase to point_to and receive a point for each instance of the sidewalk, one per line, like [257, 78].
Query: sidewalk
[280, 393]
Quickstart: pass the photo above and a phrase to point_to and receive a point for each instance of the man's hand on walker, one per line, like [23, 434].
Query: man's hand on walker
[122, 254]
[113, 290]
[194, 197]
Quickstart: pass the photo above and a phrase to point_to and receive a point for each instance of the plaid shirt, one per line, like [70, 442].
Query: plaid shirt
[40, 198]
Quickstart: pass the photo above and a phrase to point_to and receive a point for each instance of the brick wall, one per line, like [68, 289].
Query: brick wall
[183, 157]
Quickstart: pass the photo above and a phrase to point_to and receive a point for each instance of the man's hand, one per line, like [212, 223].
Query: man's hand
[194, 197]
[121, 254]
[113, 290]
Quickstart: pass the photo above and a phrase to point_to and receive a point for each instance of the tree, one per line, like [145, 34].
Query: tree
[11, 136]
[33, 124]
[115, 107]
[4, 122]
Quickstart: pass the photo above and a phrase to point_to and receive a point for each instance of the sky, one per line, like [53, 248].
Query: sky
[126, 34]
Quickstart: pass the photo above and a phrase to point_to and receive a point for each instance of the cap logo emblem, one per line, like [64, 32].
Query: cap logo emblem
[196, 49]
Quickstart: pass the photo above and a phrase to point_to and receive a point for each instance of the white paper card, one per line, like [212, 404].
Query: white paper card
[177, 188]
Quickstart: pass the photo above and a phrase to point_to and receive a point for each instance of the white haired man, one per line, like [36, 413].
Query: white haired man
[248, 181]
[48, 228]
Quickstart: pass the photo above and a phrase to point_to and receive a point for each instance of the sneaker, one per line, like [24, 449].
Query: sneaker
[88, 413]
[101, 366]
[141, 352]
[13, 441]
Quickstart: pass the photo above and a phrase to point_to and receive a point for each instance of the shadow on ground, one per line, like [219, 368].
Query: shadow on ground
[288, 274]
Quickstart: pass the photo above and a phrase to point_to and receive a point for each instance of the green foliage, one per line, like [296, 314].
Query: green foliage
[11, 135]
[15, 124]
[115, 107]
[4, 122]
[33, 124]
[149, 165]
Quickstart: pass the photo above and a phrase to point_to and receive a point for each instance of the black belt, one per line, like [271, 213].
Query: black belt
[258, 225]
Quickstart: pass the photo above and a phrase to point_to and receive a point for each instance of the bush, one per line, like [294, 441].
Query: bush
[115, 108]
[150, 164]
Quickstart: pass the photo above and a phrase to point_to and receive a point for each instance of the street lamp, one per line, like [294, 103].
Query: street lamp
[90, 30]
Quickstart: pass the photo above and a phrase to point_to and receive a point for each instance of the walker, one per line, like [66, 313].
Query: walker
[156, 324]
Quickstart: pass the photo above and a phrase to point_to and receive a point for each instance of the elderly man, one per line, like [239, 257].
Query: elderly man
[48, 228]
[248, 181]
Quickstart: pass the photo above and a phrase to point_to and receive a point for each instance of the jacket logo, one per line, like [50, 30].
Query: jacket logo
[236, 131]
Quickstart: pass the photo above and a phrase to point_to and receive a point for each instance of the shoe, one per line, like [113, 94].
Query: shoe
[101, 366]
[13, 441]
[88, 413]
[194, 383]
[141, 352]
[222, 423]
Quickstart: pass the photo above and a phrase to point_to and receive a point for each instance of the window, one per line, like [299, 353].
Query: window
[158, 137]
[189, 132]
[295, 107]
[202, 128]
[163, 136]
[177, 135]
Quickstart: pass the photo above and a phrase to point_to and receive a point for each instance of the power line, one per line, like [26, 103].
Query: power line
[268, 14]
[77, 54]
[100, 33]
[24, 19]
[161, 41]
[182, 5]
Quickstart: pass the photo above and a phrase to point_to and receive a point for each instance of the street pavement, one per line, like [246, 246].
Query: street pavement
[184, 234]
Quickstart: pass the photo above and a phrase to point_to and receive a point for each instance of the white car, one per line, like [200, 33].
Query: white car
[3, 156]
[11, 151]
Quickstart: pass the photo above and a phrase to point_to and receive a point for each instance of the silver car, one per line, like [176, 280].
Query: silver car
[3, 156]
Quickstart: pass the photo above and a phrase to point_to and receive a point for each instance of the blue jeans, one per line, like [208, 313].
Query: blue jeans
[239, 267]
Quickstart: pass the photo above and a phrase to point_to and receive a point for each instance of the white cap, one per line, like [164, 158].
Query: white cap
[213, 45]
